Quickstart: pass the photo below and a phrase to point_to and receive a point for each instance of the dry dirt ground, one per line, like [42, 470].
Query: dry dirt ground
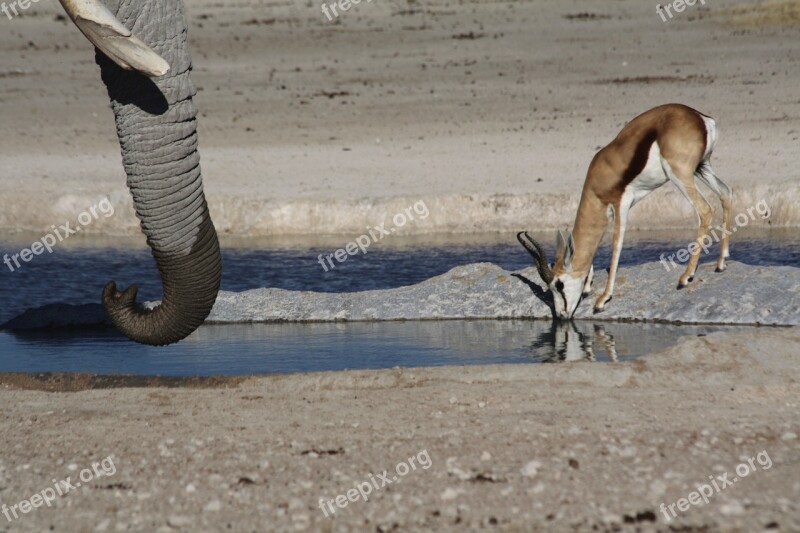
[314, 126]
[569, 447]
[488, 111]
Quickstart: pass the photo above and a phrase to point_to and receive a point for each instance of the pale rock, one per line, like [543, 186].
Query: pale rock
[733, 507]
[179, 521]
[450, 494]
[531, 469]
[213, 506]
[484, 290]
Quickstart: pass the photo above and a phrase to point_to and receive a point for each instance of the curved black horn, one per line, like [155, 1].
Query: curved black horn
[539, 256]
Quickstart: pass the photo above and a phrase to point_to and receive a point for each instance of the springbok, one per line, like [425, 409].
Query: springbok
[671, 142]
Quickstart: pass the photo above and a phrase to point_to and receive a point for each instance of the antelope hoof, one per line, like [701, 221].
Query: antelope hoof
[600, 305]
[720, 268]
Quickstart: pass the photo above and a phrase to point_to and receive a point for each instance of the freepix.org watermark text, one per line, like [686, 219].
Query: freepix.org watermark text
[706, 491]
[60, 489]
[12, 9]
[58, 234]
[376, 482]
[742, 220]
[360, 244]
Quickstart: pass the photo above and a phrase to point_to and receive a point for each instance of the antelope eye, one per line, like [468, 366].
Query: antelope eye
[559, 285]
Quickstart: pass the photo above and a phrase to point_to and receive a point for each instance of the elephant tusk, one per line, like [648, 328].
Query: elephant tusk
[116, 41]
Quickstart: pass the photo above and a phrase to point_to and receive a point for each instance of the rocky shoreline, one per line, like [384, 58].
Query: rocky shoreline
[742, 295]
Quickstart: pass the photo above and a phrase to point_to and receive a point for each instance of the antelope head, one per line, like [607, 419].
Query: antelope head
[116, 41]
[567, 285]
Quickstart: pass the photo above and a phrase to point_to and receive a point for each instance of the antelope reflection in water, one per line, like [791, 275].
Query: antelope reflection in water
[575, 341]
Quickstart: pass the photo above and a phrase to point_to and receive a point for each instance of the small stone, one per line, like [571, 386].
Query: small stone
[531, 469]
[213, 506]
[481, 404]
[178, 521]
[455, 470]
[486, 456]
[657, 488]
[102, 526]
[453, 400]
[789, 436]
[191, 488]
[450, 512]
[450, 494]
[301, 521]
[733, 507]
[611, 519]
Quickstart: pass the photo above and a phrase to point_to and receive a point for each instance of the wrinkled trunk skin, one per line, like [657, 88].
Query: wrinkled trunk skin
[157, 128]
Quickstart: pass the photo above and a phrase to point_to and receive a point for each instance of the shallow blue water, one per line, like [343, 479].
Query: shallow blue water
[281, 348]
[77, 274]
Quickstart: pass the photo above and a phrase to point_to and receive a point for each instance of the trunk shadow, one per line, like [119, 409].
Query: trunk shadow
[131, 88]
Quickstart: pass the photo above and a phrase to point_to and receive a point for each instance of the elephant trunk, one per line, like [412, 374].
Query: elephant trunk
[157, 126]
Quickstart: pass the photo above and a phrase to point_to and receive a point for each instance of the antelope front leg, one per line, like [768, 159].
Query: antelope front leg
[620, 216]
[587, 285]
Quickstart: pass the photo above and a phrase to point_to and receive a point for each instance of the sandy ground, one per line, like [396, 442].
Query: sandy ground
[488, 111]
[569, 447]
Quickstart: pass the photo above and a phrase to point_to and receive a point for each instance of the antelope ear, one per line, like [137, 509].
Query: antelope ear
[569, 250]
[561, 245]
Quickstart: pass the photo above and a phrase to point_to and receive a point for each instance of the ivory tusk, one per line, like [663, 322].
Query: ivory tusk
[116, 41]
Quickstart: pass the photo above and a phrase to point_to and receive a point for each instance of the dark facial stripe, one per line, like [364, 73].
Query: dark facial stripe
[558, 291]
